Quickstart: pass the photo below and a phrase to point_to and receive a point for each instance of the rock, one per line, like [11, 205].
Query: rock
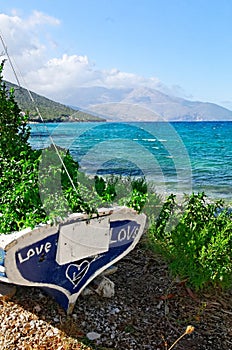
[87, 291]
[104, 287]
[101, 285]
[96, 285]
[37, 308]
[112, 269]
[49, 333]
[93, 335]
[7, 291]
[114, 311]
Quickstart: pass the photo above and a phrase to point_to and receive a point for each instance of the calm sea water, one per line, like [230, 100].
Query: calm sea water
[179, 157]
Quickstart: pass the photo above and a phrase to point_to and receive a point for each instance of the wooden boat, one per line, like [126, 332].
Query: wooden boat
[63, 259]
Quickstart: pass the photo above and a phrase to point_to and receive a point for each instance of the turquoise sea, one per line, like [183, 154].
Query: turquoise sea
[179, 157]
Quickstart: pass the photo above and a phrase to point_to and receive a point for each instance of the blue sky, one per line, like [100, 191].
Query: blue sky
[181, 47]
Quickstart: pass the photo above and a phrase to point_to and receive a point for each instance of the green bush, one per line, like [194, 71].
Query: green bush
[29, 195]
[14, 131]
[20, 203]
[132, 192]
[196, 240]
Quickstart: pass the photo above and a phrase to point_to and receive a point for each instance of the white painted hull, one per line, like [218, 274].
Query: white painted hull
[63, 259]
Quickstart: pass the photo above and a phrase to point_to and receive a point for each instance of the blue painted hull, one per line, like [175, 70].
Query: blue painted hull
[59, 260]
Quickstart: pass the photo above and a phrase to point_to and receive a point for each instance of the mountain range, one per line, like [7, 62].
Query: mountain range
[150, 104]
[119, 104]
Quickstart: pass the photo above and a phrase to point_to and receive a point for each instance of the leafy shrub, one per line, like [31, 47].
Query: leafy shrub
[14, 131]
[20, 203]
[132, 192]
[196, 240]
[22, 185]
[29, 196]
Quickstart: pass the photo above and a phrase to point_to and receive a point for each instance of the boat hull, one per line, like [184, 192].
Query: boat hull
[63, 259]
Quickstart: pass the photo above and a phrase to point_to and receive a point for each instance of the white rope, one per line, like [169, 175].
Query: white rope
[37, 109]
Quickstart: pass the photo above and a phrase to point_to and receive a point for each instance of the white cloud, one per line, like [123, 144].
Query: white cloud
[38, 18]
[55, 77]
[20, 34]
[60, 74]
[21, 37]
[116, 78]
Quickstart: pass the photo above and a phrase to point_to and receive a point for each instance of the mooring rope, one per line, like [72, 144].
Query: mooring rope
[36, 108]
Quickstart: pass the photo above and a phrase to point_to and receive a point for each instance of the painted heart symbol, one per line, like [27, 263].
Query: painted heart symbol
[75, 272]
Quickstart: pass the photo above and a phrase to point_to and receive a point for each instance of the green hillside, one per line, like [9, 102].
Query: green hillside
[50, 111]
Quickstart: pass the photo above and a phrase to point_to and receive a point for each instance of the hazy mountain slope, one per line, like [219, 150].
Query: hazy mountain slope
[103, 101]
[173, 108]
[50, 110]
[138, 104]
